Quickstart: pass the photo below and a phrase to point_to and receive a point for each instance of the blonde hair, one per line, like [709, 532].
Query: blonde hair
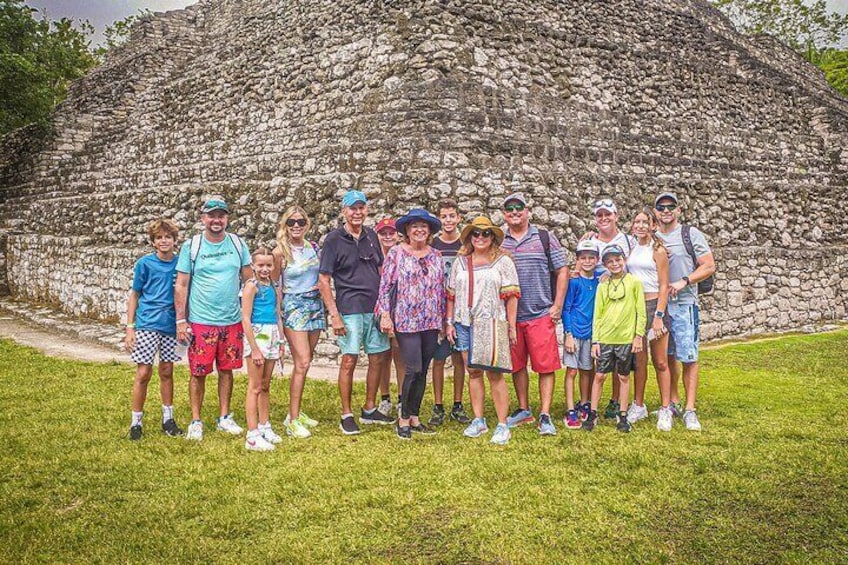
[495, 250]
[283, 243]
[652, 220]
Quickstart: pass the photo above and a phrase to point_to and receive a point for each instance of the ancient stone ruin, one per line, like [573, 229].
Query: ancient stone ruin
[293, 101]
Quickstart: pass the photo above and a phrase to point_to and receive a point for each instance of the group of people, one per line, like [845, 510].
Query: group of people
[416, 291]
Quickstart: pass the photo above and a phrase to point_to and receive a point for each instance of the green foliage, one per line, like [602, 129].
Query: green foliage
[834, 63]
[765, 482]
[807, 27]
[38, 59]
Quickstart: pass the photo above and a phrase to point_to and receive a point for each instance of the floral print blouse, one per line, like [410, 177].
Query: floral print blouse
[493, 284]
[420, 303]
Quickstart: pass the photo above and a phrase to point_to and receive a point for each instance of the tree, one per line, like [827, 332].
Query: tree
[38, 59]
[807, 27]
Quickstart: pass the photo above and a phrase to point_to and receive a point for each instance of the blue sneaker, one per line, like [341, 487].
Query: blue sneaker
[501, 435]
[546, 427]
[520, 416]
[476, 428]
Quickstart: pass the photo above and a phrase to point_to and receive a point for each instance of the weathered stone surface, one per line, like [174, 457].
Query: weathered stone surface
[281, 102]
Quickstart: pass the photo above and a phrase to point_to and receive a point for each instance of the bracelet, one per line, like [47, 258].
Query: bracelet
[183, 321]
[130, 326]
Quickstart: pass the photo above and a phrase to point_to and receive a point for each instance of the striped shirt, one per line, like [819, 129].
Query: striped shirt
[534, 271]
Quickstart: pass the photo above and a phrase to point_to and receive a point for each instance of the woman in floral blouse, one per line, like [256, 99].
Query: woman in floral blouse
[495, 297]
[411, 305]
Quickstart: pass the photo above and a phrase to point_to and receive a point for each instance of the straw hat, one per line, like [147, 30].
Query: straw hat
[481, 223]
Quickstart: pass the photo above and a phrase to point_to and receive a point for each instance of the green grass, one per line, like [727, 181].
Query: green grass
[766, 481]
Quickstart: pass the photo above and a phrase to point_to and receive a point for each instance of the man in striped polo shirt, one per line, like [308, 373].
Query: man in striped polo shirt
[536, 255]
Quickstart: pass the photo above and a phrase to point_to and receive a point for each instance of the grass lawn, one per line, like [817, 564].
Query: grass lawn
[765, 482]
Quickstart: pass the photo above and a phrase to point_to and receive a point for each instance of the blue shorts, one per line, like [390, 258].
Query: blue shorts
[362, 332]
[463, 338]
[444, 350]
[685, 331]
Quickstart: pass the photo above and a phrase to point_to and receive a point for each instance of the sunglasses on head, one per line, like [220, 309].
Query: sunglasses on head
[481, 233]
[666, 207]
[517, 207]
[292, 222]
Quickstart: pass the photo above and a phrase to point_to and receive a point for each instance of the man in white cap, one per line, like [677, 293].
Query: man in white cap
[687, 267]
[352, 258]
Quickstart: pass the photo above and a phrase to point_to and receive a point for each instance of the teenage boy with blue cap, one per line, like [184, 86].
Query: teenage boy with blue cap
[352, 258]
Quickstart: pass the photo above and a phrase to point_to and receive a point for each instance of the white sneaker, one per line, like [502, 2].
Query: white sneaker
[296, 429]
[303, 419]
[691, 421]
[665, 420]
[255, 442]
[269, 434]
[636, 413]
[227, 424]
[385, 407]
[501, 435]
[195, 431]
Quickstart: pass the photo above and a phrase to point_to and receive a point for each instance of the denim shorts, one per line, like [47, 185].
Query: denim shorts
[362, 333]
[463, 338]
[444, 350]
[685, 331]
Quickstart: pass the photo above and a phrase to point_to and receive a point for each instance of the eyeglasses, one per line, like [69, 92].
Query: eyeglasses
[666, 207]
[292, 222]
[422, 262]
[517, 207]
[481, 233]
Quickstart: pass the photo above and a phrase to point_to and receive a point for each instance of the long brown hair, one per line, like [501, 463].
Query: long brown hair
[656, 242]
[283, 243]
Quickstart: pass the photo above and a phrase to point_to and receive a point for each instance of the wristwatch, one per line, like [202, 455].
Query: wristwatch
[449, 322]
[659, 314]
[688, 282]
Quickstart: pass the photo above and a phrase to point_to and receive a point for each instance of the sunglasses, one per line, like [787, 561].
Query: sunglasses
[605, 203]
[518, 207]
[292, 222]
[481, 233]
[422, 262]
[666, 207]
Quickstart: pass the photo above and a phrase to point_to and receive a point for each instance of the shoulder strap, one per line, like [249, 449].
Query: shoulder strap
[629, 245]
[470, 282]
[686, 235]
[195, 250]
[545, 236]
[238, 245]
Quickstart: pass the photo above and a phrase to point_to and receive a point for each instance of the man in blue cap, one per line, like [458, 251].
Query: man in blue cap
[210, 266]
[352, 258]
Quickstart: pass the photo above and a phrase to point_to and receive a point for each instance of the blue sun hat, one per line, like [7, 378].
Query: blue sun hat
[418, 215]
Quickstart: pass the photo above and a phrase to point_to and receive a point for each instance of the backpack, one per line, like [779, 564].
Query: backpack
[195, 249]
[705, 287]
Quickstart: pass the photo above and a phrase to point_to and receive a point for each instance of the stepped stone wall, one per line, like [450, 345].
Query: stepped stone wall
[281, 102]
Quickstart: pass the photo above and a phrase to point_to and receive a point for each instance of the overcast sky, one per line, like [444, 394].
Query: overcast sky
[103, 12]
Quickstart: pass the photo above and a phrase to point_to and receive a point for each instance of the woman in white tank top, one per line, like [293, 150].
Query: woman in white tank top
[648, 261]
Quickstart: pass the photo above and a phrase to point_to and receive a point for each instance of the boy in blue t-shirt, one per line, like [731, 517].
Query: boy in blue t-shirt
[577, 313]
[151, 325]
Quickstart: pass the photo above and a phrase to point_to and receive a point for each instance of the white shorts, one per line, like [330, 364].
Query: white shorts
[148, 343]
[268, 339]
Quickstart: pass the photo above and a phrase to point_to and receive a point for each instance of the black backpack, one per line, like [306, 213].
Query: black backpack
[705, 287]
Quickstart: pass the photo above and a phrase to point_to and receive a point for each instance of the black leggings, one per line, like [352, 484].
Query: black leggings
[417, 350]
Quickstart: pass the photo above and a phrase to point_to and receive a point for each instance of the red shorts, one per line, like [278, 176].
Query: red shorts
[538, 338]
[221, 345]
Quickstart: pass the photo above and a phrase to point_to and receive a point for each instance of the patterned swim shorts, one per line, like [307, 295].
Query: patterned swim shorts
[304, 312]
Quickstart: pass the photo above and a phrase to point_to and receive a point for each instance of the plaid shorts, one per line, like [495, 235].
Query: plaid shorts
[148, 343]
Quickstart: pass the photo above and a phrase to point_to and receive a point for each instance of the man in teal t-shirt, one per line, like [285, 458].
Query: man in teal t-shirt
[209, 271]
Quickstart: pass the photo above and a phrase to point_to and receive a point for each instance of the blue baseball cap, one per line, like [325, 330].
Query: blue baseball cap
[351, 197]
[215, 203]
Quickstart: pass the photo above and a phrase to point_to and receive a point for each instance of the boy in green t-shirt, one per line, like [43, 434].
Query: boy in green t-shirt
[617, 331]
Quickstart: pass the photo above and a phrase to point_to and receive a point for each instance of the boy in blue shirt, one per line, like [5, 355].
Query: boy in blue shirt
[577, 314]
[151, 325]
